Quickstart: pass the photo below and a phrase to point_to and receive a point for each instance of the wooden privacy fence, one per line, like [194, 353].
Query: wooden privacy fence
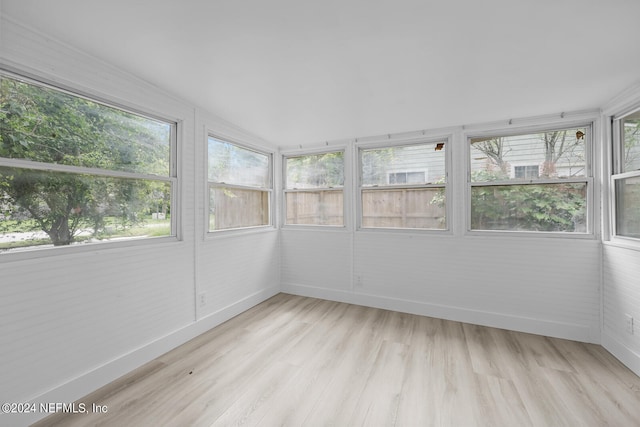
[381, 208]
[237, 208]
[403, 208]
[322, 207]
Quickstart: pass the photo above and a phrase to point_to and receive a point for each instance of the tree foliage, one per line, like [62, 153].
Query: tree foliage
[529, 207]
[316, 171]
[49, 126]
[232, 164]
[375, 165]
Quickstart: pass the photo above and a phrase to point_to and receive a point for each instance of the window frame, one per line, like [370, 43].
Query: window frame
[172, 178]
[344, 188]
[360, 188]
[211, 184]
[618, 173]
[587, 178]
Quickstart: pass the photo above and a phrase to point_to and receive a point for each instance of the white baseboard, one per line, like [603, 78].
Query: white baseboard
[496, 320]
[93, 380]
[624, 354]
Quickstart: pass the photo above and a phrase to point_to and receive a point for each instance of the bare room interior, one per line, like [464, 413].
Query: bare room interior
[319, 213]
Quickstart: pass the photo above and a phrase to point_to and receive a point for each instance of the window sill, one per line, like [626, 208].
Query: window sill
[530, 234]
[416, 231]
[311, 227]
[213, 235]
[617, 242]
[79, 249]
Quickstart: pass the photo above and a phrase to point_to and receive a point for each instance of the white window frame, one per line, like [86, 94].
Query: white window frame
[171, 178]
[590, 125]
[446, 140]
[617, 174]
[213, 184]
[343, 188]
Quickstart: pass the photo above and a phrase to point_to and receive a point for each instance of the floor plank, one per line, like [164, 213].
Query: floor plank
[299, 361]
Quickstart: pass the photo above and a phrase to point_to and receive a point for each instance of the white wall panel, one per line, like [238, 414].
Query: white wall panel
[545, 286]
[234, 267]
[231, 265]
[65, 315]
[541, 280]
[621, 297]
[36, 53]
[316, 259]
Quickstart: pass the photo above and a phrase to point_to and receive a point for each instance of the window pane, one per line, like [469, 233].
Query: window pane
[550, 207]
[43, 207]
[232, 164]
[546, 155]
[315, 171]
[315, 207]
[628, 207]
[50, 126]
[526, 172]
[237, 208]
[631, 149]
[404, 208]
[411, 164]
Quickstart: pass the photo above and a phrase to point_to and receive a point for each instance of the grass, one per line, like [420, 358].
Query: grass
[150, 228]
[13, 226]
[22, 244]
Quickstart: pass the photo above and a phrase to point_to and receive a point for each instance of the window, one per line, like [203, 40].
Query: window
[626, 178]
[406, 177]
[403, 186]
[314, 189]
[76, 170]
[239, 186]
[526, 172]
[546, 191]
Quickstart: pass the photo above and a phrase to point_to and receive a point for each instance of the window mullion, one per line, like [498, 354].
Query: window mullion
[312, 190]
[400, 187]
[514, 182]
[54, 167]
[213, 184]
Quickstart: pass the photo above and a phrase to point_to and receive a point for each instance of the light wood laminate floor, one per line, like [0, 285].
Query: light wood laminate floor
[300, 361]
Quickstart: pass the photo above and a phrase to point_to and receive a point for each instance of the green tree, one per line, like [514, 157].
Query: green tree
[44, 125]
[530, 207]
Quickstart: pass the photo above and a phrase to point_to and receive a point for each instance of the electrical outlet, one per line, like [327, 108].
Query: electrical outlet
[629, 323]
[202, 299]
[359, 281]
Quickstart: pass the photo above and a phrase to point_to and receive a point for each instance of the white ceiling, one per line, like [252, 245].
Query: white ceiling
[299, 71]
